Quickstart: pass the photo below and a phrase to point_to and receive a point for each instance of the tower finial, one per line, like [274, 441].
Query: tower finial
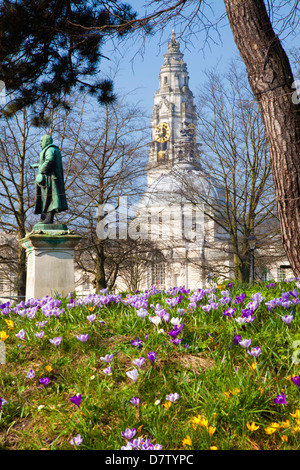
[173, 45]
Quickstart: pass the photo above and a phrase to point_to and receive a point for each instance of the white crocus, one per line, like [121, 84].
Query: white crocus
[156, 320]
[175, 321]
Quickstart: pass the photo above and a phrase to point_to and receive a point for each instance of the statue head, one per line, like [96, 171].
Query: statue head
[46, 140]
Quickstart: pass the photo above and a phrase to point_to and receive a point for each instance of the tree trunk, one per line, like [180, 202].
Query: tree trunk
[21, 275]
[21, 253]
[100, 271]
[271, 79]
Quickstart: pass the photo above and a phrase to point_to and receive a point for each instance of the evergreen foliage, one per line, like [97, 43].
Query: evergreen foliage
[47, 48]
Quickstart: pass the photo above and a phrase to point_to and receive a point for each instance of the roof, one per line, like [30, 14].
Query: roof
[180, 186]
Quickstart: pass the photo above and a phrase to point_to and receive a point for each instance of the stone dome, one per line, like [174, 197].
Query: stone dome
[181, 185]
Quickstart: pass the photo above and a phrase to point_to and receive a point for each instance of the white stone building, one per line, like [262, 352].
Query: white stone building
[189, 240]
[192, 244]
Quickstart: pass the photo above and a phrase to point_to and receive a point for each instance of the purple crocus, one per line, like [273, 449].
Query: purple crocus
[40, 324]
[175, 341]
[39, 334]
[240, 298]
[139, 362]
[151, 356]
[83, 338]
[237, 339]
[21, 334]
[2, 402]
[255, 352]
[31, 374]
[55, 341]
[176, 330]
[287, 319]
[76, 441]
[172, 397]
[229, 312]
[280, 399]
[137, 342]
[107, 370]
[107, 358]
[296, 380]
[245, 343]
[76, 399]
[135, 401]
[247, 312]
[44, 381]
[91, 318]
[129, 433]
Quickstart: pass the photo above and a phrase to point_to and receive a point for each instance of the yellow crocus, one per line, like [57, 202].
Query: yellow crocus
[203, 422]
[167, 404]
[284, 438]
[199, 420]
[3, 335]
[252, 426]
[273, 428]
[213, 448]
[10, 324]
[252, 366]
[196, 419]
[139, 430]
[296, 414]
[49, 368]
[285, 424]
[187, 441]
[211, 430]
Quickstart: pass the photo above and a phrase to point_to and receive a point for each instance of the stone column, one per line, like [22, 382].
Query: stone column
[50, 260]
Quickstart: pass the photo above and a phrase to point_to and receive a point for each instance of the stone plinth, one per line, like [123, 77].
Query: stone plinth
[50, 260]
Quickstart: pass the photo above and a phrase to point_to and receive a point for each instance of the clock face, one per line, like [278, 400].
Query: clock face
[162, 132]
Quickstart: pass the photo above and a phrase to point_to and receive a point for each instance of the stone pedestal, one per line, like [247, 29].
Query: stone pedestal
[50, 260]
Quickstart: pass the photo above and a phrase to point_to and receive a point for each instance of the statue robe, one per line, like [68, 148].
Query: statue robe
[50, 196]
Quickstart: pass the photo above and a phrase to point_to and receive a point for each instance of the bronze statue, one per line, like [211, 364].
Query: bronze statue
[49, 182]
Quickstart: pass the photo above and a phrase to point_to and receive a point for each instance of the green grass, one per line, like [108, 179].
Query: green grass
[222, 389]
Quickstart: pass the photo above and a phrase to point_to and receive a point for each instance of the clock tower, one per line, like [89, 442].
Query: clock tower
[174, 116]
[183, 230]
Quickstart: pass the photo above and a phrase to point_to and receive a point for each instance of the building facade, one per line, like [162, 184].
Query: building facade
[193, 246]
[190, 242]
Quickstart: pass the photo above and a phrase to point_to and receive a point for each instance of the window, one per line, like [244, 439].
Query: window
[158, 275]
[284, 272]
[86, 283]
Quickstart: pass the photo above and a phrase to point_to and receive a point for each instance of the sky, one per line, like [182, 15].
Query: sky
[139, 63]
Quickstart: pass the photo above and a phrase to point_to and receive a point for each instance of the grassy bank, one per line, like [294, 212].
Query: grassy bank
[172, 370]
